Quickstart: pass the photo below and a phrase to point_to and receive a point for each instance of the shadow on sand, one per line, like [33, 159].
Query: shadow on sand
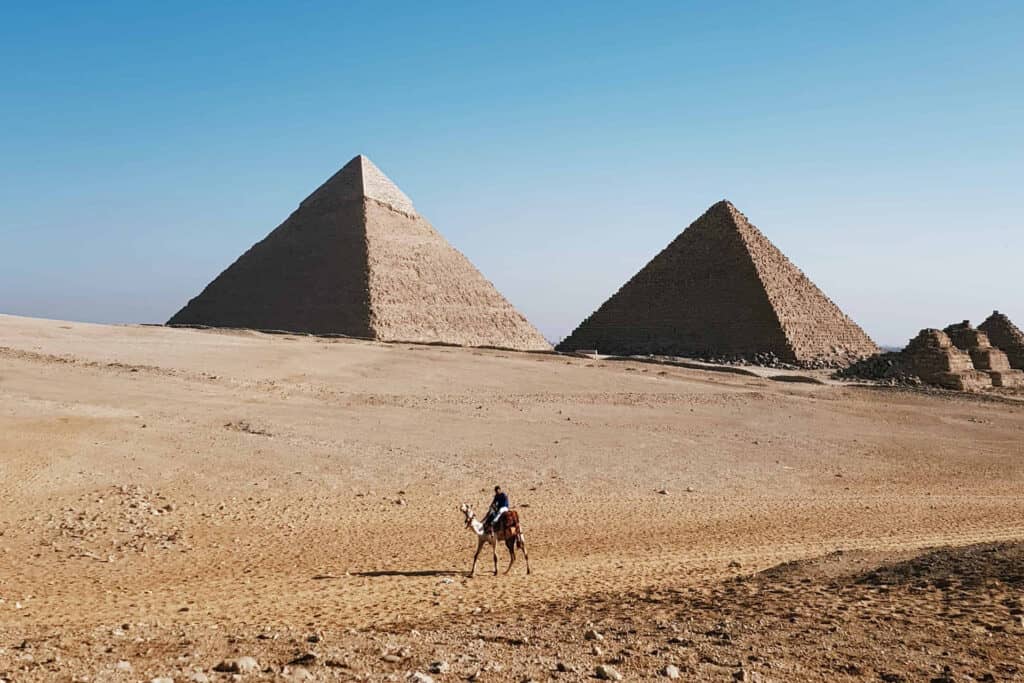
[396, 572]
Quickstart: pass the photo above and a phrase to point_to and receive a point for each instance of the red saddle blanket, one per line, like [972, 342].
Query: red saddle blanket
[509, 522]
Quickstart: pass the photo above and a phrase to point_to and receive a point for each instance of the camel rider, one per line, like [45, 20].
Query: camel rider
[499, 506]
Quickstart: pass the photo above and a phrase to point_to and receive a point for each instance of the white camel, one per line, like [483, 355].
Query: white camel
[510, 532]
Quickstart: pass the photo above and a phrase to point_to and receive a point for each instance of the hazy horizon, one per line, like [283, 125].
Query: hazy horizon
[880, 148]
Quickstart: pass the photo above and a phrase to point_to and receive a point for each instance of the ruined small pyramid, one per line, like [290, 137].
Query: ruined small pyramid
[357, 259]
[721, 288]
[987, 358]
[1006, 336]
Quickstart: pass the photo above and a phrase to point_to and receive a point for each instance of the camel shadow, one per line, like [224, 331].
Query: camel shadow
[418, 572]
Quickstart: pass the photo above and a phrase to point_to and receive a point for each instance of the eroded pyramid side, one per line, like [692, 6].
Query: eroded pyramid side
[816, 329]
[700, 296]
[423, 290]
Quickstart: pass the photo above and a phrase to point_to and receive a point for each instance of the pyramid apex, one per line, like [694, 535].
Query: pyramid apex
[361, 179]
[724, 207]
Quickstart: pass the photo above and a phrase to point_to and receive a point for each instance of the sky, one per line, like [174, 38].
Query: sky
[560, 146]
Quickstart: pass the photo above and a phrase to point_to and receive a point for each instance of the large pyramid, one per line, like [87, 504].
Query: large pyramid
[356, 259]
[722, 289]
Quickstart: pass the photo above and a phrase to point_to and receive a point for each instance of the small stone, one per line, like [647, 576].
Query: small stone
[440, 667]
[391, 658]
[663, 492]
[689, 489]
[607, 673]
[199, 677]
[242, 665]
[304, 659]
[162, 679]
[296, 674]
[596, 650]
[670, 671]
[418, 677]
[591, 634]
[735, 564]
[123, 666]
[247, 665]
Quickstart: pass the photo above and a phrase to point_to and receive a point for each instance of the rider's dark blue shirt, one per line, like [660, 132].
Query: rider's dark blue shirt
[500, 501]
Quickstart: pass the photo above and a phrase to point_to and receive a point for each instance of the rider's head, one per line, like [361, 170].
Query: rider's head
[497, 489]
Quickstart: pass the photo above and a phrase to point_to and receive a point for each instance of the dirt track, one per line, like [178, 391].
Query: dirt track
[205, 488]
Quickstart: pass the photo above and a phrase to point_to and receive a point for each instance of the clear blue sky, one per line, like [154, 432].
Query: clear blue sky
[144, 146]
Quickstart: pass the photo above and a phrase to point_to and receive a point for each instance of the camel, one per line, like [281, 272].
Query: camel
[511, 533]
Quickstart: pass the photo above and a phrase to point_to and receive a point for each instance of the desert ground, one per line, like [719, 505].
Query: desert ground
[175, 501]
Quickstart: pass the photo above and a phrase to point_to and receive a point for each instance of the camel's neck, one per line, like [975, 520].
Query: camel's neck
[478, 526]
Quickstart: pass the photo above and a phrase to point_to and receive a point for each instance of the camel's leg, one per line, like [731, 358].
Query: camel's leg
[511, 545]
[522, 546]
[494, 550]
[479, 547]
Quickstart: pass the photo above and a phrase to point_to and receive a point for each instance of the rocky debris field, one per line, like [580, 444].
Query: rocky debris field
[113, 522]
[946, 614]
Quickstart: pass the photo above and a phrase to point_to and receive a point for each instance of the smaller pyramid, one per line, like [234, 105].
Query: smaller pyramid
[1005, 336]
[934, 358]
[721, 288]
[976, 343]
[987, 358]
[356, 259]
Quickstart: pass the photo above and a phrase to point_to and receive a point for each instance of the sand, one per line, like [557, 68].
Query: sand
[175, 497]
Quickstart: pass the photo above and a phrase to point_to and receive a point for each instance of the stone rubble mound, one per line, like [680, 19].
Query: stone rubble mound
[886, 368]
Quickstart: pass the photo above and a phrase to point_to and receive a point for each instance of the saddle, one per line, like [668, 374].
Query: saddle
[508, 524]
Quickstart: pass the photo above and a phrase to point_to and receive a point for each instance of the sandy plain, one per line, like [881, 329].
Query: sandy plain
[173, 498]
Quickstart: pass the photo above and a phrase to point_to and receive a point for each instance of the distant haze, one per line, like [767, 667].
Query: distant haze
[144, 148]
